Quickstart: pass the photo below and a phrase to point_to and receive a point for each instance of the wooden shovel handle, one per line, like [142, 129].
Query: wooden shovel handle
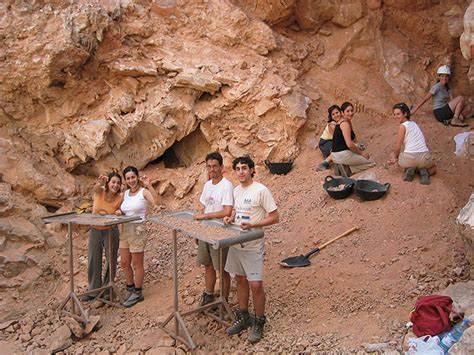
[338, 237]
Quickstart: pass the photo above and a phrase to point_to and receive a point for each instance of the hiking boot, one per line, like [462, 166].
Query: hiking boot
[207, 298]
[322, 166]
[242, 321]
[133, 299]
[130, 290]
[456, 122]
[446, 122]
[409, 174]
[424, 177]
[256, 333]
[86, 298]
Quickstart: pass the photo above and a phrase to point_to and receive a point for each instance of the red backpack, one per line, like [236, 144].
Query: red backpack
[431, 315]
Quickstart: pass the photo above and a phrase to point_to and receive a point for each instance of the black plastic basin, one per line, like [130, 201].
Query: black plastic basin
[370, 190]
[279, 168]
[330, 181]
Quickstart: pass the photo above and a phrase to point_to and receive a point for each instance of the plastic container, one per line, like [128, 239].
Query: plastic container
[330, 182]
[448, 339]
[279, 168]
[370, 190]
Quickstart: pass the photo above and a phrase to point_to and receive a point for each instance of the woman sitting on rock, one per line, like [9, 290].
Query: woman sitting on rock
[107, 200]
[344, 150]
[136, 201]
[325, 141]
[446, 108]
[415, 155]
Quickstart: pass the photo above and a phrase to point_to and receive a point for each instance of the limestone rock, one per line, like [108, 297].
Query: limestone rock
[465, 228]
[60, 339]
[149, 339]
[135, 67]
[197, 80]
[466, 344]
[20, 229]
[269, 11]
[467, 40]
[296, 104]
[314, 13]
[348, 13]
[454, 18]
[163, 7]
[462, 294]
[263, 106]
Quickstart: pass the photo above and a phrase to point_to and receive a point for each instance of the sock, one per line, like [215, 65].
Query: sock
[131, 287]
[138, 289]
[209, 293]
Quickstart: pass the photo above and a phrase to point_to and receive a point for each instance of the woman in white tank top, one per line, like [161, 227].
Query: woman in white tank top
[415, 156]
[136, 201]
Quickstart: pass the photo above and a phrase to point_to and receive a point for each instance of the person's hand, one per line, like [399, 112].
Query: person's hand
[199, 216]
[392, 160]
[365, 155]
[145, 180]
[118, 213]
[227, 220]
[361, 146]
[102, 180]
[246, 225]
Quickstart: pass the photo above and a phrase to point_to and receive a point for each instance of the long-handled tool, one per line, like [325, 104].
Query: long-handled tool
[303, 260]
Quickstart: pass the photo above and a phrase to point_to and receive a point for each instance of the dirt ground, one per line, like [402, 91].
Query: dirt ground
[356, 291]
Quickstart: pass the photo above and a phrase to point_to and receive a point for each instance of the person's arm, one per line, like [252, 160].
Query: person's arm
[272, 218]
[398, 145]
[226, 212]
[150, 193]
[331, 128]
[425, 98]
[100, 184]
[231, 218]
[346, 132]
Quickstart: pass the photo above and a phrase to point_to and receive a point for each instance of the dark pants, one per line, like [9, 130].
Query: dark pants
[325, 147]
[98, 242]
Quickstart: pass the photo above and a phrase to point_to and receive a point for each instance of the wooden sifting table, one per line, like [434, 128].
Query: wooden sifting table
[91, 220]
[214, 232]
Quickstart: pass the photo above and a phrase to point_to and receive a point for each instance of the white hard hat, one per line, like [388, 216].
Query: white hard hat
[444, 69]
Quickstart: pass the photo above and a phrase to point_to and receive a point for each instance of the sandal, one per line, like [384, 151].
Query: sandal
[456, 122]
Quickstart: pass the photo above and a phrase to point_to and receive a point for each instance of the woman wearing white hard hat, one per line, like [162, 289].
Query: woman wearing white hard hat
[446, 108]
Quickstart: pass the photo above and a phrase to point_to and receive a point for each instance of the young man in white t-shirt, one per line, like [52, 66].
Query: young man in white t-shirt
[216, 202]
[254, 207]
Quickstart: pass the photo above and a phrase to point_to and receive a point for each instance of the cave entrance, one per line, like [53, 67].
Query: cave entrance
[184, 153]
[169, 158]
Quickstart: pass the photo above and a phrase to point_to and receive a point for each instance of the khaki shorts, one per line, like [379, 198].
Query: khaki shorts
[133, 237]
[356, 162]
[415, 160]
[207, 255]
[248, 263]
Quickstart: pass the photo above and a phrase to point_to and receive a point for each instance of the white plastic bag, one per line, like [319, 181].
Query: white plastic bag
[426, 345]
[462, 143]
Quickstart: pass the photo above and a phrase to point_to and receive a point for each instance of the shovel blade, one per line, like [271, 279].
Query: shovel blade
[295, 261]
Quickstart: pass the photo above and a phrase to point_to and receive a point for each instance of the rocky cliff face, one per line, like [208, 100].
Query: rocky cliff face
[87, 88]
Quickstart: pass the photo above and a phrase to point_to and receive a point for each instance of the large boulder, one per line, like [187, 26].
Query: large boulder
[465, 227]
[467, 40]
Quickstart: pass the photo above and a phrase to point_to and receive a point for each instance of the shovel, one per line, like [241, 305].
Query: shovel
[303, 260]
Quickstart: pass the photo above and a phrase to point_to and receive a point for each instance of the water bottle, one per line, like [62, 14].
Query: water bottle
[448, 339]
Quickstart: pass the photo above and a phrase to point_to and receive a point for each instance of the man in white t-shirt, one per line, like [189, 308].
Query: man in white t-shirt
[254, 207]
[216, 202]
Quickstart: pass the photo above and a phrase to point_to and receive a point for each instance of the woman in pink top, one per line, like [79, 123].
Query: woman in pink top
[136, 201]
